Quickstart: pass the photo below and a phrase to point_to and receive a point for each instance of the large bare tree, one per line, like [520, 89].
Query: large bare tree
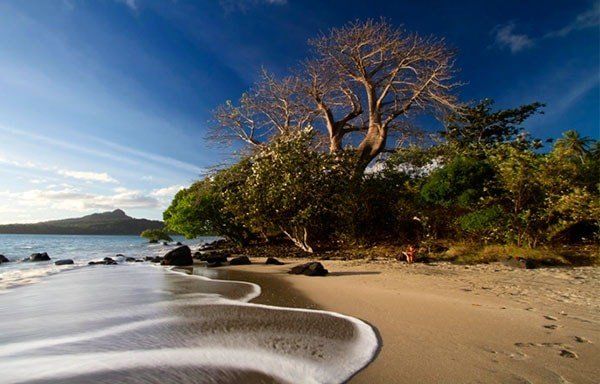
[382, 71]
[270, 107]
[365, 77]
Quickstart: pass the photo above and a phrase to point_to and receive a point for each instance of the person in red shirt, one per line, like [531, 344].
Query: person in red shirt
[410, 254]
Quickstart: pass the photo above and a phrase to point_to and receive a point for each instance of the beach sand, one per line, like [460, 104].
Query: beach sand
[444, 323]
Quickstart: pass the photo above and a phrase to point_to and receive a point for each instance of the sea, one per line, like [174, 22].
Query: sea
[145, 323]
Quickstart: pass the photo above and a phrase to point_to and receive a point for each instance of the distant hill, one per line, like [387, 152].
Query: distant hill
[107, 223]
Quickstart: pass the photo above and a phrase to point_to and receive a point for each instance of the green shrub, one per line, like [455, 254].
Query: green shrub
[156, 235]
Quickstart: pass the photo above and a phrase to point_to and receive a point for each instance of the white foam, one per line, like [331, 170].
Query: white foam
[224, 348]
[15, 348]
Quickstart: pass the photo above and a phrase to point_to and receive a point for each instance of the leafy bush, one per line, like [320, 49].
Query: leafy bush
[461, 182]
[293, 189]
[199, 210]
[485, 223]
[156, 235]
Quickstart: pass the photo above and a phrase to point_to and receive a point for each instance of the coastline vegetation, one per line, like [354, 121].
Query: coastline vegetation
[333, 156]
[156, 235]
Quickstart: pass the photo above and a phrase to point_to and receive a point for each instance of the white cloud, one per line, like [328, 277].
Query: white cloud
[167, 191]
[88, 176]
[101, 177]
[132, 4]
[588, 19]
[506, 37]
[73, 199]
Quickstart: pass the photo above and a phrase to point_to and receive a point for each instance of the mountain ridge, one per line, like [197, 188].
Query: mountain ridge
[115, 222]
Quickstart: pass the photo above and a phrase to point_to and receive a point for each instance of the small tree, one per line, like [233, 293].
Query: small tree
[156, 235]
[292, 189]
[198, 210]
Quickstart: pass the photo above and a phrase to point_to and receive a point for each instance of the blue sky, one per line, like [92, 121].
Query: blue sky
[104, 104]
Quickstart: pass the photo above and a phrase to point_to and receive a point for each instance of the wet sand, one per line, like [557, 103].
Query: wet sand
[448, 323]
[146, 324]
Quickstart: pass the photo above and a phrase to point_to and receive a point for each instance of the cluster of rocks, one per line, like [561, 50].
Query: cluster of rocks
[105, 261]
[182, 256]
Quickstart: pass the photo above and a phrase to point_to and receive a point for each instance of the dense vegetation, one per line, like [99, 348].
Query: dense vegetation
[317, 171]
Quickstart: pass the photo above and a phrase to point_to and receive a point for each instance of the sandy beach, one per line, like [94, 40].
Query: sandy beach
[443, 323]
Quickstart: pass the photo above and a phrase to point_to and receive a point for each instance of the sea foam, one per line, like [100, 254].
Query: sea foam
[93, 323]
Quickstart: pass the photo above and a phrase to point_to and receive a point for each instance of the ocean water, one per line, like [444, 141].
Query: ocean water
[143, 323]
[81, 249]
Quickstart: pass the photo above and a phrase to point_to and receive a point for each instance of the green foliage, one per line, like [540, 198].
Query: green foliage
[199, 210]
[156, 235]
[485, 223]
[487, 183]
[293, 189]
[460, 182]
[478, 129]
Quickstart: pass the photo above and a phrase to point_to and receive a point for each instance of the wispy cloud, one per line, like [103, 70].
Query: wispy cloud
[243, 5]
[588, 19]
[506, 37]
[163, 160]
[115, 152]
[132, 4]
[74, 199]
[568, 97]
[102, 177]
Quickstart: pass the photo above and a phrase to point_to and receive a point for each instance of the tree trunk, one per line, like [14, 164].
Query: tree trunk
[335, 142]
[300, 240]
[372, 145]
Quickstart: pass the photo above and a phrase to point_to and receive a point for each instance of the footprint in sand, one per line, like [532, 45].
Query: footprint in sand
[580, 339]
[568, 354]
[551, 326]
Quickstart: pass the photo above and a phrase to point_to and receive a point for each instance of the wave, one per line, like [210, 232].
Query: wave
[114, 323]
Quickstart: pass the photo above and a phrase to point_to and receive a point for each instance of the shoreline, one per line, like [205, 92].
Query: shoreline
[448, 323]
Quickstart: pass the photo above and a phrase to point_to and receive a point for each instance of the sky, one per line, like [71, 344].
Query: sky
[105, 104]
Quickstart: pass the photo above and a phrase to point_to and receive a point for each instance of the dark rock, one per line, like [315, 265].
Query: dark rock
[180, 256]
[38, 257]
[149, 258]
[119, 255]
[157, 259]
[130, 259]
[153, 241]
[215, 259]
[309, 269]
[214, 265]
[178, 243]
[240, 260]
[165, 243]
[273, 261]
[106, 261]
[139, 260]
[3, 259]
[64, 262]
